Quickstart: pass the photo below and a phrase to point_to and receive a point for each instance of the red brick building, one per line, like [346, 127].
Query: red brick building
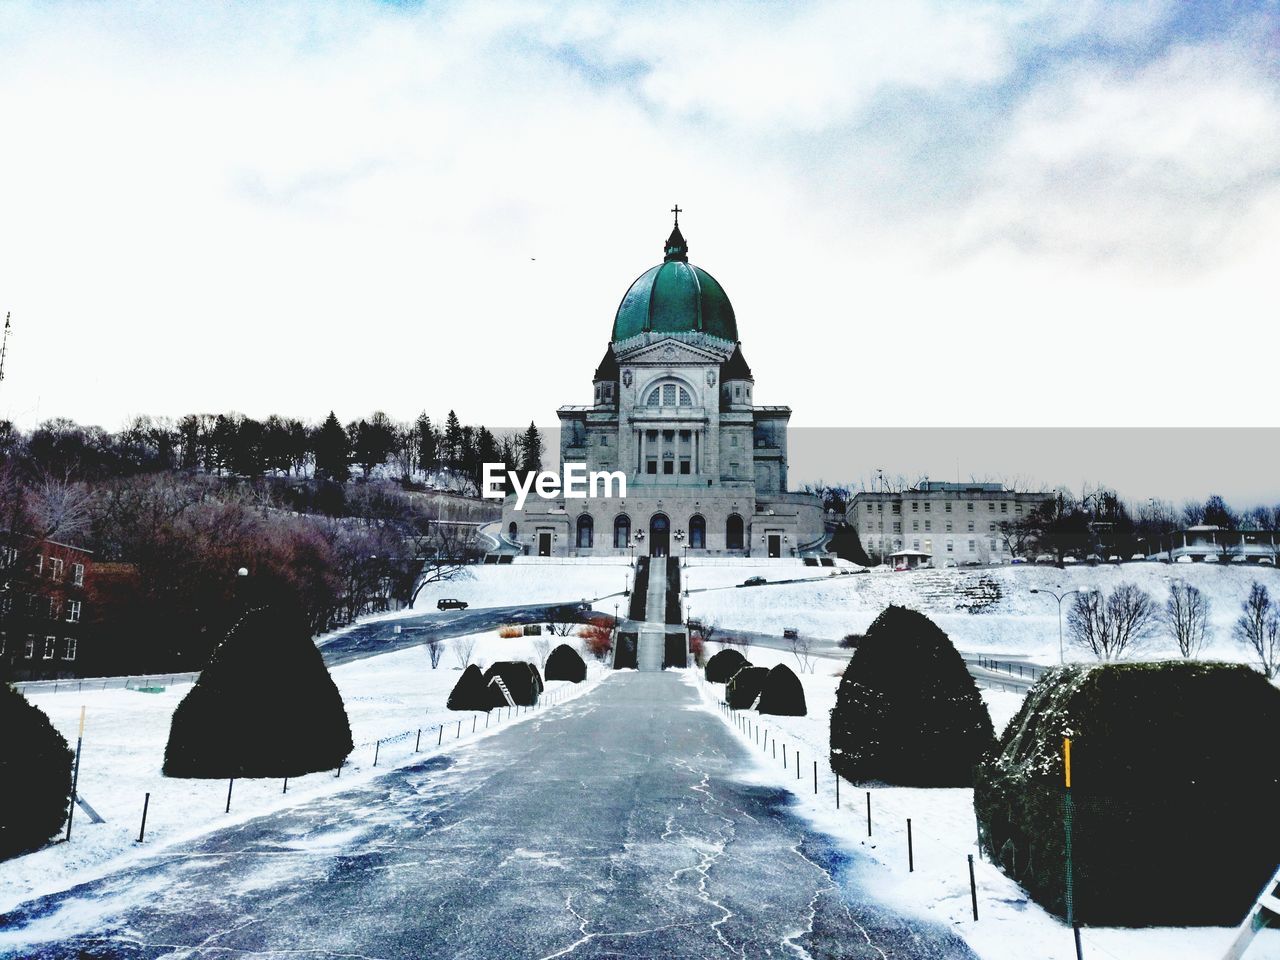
[42, 607]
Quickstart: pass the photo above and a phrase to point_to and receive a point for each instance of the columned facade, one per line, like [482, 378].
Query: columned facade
[706, 468]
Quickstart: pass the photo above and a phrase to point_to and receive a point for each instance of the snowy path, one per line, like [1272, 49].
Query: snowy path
[612, 826]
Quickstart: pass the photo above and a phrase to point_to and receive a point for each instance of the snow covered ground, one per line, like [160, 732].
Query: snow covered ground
[944, 833]
[388, 698]
[1020, 623]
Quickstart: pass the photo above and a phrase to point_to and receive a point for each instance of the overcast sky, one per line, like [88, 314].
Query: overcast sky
[925, 213]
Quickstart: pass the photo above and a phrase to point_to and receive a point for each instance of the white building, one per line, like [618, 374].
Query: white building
[673, 408]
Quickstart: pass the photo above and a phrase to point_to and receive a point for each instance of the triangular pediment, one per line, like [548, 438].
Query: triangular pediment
[669, 351]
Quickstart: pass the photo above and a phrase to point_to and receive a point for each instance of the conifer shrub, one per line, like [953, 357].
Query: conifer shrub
[35, 768]
[470, 692]
[907, 710]
[565, 664]
[1174, 785]
[523, 681]
[723, 665]
[782, 693]
[264, 706]
[744, 687]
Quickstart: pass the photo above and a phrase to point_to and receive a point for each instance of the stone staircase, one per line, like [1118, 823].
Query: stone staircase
[653, 638]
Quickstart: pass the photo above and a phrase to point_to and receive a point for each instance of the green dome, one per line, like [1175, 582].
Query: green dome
[675, 297]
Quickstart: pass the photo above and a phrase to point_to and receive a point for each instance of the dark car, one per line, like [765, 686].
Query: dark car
[451, 605]
[754, 582]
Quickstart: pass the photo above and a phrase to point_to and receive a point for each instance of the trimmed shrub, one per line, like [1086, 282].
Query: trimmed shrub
[744, 687]
[907, 711]
[35, 767]
[510, 631]
[1172, 777]
[264, 706]
[723, 665]
[565, 664]
[523, 681]
[470, 693]
[782, 693]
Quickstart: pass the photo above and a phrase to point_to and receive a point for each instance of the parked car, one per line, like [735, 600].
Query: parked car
[790, 633]
[451, 604]
[754, 582]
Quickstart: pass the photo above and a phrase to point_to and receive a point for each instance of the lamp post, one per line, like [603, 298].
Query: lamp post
[1062, 658]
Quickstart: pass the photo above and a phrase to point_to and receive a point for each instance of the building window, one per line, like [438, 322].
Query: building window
[10, 556]
[69, 648]
[972, 546]
[993, 544]
[512, 530]
[604, 439]
[621, 531]
[586, 528]
[897, 526]
[948, 526]
[970, 506]
[915, 544]
[991, 528]
[55, 568]
[927, 506]
[73, 611]
[733, 532]
[991, 505]
[50, 647]
[915, 507]
[928, 526]
[697, 533]
[4, 642]
[733, 440]
[1017, 508]
[948, 506]
[1004, 508]
[39, 564]
[951, 547]
[971, 526]
[915, 525]
[29, 648]
[669, 395]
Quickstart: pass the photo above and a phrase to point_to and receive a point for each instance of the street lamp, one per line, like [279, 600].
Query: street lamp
[1060, 597]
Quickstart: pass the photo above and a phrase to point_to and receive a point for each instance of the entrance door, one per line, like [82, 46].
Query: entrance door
[775, 545]
[659, 535]
[544, 543]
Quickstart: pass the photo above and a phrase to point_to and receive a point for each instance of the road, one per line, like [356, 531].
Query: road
[610, 826]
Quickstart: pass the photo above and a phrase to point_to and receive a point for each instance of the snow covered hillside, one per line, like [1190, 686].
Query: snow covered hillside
[1018, 622]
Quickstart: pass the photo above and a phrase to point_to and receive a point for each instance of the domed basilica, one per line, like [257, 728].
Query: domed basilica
[672, 407]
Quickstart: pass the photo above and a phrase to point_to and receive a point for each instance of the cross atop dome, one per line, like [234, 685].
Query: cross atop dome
[677, 248]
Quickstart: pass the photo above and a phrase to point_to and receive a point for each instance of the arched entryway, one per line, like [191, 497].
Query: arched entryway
[697, 533]
[621, 532]
[586, 532]
[659, 535]
[733, 532]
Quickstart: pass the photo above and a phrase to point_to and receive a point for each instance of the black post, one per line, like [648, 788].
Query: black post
[339, 773]
[285, 789]
[417, 743]
[815, 776]
[911, 855]
[868, 813]
[784, 755]
[440, 736]
[230, 783]
[797, 764]
[376, 748]
[973, 888]
[1079, 953]
[837, 791]
[142, 831]
[473, 723]
[458, 735]
[486, 719]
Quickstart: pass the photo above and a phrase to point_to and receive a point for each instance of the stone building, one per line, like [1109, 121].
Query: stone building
[673, 408]
[951, 523]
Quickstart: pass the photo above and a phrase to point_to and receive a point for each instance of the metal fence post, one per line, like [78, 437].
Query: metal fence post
[973, 888]
[230, 783]
[911, 854]
[142, 831]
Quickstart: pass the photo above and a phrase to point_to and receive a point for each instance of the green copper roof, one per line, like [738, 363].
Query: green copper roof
[675, 297]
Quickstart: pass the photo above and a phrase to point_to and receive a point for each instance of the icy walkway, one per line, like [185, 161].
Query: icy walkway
[612, 826]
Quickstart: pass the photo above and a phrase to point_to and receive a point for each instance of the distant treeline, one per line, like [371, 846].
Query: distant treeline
[173, 509]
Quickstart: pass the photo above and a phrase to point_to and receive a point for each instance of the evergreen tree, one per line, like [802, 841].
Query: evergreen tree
[428, 445]
[35, 767]
[452, 445]
[531, 450]
[907, 710]
[332, 450]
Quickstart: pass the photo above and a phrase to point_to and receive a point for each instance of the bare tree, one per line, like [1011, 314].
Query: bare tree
[1259, 629]
[435, 649]
[463, 648]
[708, 630]
[1227, 545]
[1186, 617]
[802, 650]
[740, 643]
[560, 623]
[542, 649]
[1109, 627]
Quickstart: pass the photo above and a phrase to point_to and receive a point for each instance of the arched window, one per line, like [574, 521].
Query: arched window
[585, 528]
[669, 394]
[733, 532]
[697, 533]
[621, 531]
[511, 530]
